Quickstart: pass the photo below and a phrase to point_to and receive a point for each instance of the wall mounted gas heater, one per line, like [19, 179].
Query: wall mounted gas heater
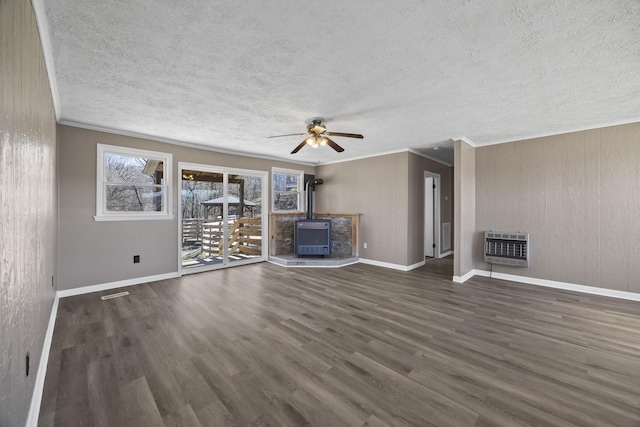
[506, 247]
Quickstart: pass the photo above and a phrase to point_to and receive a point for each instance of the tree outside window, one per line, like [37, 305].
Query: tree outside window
[287, 190]
[132, 184]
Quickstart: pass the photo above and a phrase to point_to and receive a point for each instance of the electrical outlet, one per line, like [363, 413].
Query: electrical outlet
[28, 361]
[136, 259]
[364, 245]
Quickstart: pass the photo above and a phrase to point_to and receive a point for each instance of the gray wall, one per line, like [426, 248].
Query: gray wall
[415, 234]
[465, 208]
[375, 187]
[577, 194]
[27, 206]
[93, 252]
[388, 192]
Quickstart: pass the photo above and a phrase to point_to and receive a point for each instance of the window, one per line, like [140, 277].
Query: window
[132, 184]
[287, 190]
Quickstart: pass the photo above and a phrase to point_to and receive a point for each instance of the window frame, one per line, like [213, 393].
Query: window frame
[300, 191]
[102, 214]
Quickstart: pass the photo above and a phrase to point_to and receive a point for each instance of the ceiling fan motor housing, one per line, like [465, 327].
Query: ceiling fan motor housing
[320, 136]
[316, 127]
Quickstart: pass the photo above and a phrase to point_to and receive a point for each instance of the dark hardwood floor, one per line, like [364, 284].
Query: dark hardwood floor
[355, 346]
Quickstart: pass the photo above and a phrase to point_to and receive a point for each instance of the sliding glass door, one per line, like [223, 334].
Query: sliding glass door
[244, 236]
[221, 217]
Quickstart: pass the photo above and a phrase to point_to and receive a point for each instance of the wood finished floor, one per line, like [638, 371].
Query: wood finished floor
[355, 346]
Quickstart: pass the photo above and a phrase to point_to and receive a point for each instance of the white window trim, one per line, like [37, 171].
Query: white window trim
[102, 214]
[275, 170]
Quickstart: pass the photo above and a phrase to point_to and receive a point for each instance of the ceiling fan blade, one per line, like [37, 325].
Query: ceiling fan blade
[302, 144]
[289, 134]
[346, 135]
[333, 145]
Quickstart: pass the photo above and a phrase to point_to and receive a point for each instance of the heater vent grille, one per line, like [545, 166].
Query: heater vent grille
[508, 248]
[313, 237]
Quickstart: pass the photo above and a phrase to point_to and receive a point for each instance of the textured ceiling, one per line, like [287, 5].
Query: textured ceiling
[409, 74]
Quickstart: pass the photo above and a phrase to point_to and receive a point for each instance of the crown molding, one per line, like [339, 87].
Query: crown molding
[384, 153]
[466, 140]
[179, 143]
[47, 52]
[548, 134]
[426, 156]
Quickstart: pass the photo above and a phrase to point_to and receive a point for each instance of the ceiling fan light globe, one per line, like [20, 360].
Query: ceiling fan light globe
[323, 141]
[311, 140]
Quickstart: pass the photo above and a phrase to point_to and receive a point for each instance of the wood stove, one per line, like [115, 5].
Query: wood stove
[312, 236]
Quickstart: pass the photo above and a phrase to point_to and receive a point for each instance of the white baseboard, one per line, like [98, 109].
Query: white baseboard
[485, 273]
[464, 278]
[36, 398]
[113, 285]
[38, 389]
[392, 266]
[416, 265]
[592, 290]
[445, 254]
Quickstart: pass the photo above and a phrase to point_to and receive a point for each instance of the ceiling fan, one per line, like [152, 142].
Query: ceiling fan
[319, 136]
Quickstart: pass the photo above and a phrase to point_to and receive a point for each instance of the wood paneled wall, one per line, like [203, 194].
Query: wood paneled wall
[375, 187]
[465, 208]
[577, 194]
[388, 192]
[28, 217]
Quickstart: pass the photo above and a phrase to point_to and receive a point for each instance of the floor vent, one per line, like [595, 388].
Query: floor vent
[119, 294]
[507, 248]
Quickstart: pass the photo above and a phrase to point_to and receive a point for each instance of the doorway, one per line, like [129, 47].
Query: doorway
[221, 217]
[431, 215]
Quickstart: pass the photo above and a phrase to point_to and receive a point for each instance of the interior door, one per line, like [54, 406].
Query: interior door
[221, 220]
[428, 217]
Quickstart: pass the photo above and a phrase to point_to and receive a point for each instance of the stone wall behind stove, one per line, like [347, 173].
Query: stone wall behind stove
[343, 233]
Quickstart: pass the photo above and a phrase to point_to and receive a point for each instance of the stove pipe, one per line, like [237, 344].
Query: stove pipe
[310, 187]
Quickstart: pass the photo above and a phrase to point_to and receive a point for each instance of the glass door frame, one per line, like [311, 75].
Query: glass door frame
[225, 171]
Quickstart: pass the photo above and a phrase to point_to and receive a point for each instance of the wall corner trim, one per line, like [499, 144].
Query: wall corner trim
[465, 139]
[464, 278]
[113, 285]
[391, 265]
[38, 389]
